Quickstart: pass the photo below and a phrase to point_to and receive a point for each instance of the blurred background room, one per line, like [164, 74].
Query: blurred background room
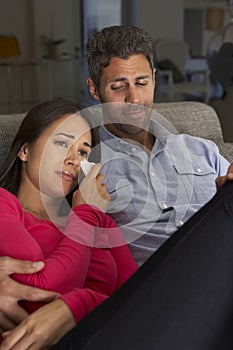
[42, 48]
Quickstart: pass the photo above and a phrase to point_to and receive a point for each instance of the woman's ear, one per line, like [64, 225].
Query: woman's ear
[23, 153]
[92, 89]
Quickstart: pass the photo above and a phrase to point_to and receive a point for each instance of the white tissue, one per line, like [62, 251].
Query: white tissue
[86, 166]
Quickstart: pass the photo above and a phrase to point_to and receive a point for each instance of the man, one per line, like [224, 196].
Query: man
[124, 73]
[157, 180]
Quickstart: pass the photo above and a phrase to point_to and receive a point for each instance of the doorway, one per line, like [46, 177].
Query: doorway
[95, 15]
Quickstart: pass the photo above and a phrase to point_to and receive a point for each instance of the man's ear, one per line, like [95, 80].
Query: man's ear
[154, 76]
[93, 89]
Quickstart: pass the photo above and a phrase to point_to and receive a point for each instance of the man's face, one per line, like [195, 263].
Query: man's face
[127, 91]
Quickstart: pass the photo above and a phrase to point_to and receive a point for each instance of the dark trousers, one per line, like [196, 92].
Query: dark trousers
[180, 299]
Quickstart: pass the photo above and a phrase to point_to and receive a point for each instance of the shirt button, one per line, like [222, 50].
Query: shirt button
[181, 222]
[164, 206]
[152, 173]
[133, 149]
[199, 170]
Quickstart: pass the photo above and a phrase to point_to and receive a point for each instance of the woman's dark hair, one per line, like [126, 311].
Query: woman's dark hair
[120, 41]
[34, 123]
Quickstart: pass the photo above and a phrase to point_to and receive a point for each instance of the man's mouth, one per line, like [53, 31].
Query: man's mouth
[134, 112]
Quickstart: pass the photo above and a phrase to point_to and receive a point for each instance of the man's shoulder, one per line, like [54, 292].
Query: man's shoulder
[184, 144]
[191, 141]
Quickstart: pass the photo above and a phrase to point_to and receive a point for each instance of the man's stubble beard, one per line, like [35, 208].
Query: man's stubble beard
[130, 129]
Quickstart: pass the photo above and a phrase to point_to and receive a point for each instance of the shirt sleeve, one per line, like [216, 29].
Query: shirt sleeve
[82, 301]
[124, 260]
[223, 165]
[68, 262]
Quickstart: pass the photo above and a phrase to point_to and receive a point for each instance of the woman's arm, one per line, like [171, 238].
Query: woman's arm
[11, 292]
[43, 331]
[81, 302]
[125, 262]
[40, 330]
[67, 266]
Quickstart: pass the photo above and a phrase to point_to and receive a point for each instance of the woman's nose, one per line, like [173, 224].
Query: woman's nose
[73, 160]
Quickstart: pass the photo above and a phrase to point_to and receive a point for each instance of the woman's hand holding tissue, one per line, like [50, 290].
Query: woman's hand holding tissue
[92, 191]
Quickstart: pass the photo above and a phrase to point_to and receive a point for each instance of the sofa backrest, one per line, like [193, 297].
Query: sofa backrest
[9, 124]
[193, 118]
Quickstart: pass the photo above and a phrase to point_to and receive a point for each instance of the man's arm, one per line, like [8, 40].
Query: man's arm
[11, 292]
[220, 180]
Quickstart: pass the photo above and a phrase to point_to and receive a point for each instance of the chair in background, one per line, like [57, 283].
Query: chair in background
[173, 77]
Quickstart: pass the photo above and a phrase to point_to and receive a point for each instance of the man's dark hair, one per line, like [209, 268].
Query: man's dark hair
[120, 41]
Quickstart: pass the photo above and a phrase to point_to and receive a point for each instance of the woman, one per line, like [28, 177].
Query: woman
[85, 257]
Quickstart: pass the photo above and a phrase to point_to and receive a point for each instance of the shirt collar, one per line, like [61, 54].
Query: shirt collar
[118, 144]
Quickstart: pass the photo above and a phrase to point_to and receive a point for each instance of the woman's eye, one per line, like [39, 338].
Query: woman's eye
[61, 143]
[83, 153]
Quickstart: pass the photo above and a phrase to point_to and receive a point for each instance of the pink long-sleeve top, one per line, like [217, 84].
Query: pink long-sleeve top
[83, 265]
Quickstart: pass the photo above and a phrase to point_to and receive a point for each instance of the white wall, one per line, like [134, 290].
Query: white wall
[54, 19]
[14, 21]
[162, 18]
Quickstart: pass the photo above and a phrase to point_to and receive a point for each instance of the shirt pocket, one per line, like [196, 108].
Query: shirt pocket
[197, 178]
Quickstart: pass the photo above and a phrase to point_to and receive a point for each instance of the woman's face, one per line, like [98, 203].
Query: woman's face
[52, 163]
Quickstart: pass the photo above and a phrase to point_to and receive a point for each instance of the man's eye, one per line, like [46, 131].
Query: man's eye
[117, 87]
[61, 143]
[142, 82]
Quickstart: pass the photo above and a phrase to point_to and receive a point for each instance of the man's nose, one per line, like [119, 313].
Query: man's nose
[132, 96]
